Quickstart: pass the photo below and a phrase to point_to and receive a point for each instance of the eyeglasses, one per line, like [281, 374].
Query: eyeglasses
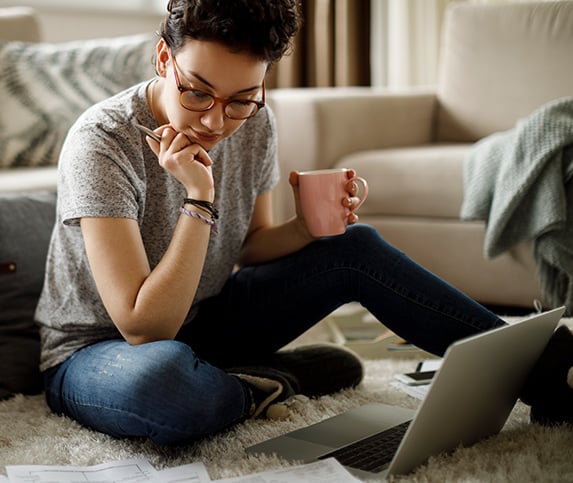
[199, 101]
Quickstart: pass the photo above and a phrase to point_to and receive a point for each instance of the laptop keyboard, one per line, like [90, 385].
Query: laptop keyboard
[373, 453]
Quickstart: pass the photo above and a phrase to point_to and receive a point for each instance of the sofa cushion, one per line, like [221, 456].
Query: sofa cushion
[422, 181]
[499, 63]
[44, 87]
[26, 221]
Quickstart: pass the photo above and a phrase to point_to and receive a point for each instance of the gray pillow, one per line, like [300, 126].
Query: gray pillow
[44, 88]
[26, 222]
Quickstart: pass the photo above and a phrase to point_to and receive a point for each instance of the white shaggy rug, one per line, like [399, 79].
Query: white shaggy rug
[522, 452]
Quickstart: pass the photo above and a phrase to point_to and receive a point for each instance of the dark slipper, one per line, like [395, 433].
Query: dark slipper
[312, 370]
[319, 369]
[546, 389]
[271, 390]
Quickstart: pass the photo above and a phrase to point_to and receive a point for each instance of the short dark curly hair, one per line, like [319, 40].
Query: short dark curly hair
[261, 28]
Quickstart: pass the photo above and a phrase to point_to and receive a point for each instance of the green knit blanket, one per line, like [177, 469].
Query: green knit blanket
[519, 182]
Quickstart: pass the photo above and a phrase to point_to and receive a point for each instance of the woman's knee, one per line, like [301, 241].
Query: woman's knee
[364, 235]
[159, 390]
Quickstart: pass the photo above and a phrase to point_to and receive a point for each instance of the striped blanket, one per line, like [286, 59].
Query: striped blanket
[44, 87]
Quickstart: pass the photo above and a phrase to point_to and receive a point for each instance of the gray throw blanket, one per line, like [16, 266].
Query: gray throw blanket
[519, 182]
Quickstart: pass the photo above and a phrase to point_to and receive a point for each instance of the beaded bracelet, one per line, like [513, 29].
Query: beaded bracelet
[199, 216]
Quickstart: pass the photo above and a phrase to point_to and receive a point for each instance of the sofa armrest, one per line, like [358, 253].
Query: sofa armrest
[19, 23]
[28, 179]
[317, 126]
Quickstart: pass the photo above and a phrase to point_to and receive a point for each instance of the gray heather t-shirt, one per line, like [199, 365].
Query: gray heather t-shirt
[106, 169]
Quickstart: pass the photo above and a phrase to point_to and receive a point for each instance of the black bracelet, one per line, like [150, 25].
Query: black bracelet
[206, 206]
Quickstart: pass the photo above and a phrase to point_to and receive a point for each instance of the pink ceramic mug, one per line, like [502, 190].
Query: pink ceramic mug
[321, 195]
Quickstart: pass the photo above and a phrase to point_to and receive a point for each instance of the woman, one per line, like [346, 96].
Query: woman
[148, 330]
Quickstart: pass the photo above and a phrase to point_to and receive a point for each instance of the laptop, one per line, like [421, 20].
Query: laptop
[469, 399]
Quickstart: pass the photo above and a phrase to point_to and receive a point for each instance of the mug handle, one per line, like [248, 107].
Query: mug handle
[364, 194]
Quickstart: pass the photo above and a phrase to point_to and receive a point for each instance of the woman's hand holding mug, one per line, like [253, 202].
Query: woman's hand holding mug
[327, 199]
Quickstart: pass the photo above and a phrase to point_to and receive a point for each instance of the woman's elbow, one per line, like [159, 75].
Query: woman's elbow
[139, 339]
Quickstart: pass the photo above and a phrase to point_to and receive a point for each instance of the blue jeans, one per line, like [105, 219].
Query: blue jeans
[175, 391]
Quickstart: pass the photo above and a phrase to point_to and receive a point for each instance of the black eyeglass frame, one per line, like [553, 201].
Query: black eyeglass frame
[257, 105]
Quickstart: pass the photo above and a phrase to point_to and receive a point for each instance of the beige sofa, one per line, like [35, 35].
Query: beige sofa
[498, 63]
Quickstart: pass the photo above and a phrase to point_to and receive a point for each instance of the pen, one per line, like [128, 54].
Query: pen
[148, 132]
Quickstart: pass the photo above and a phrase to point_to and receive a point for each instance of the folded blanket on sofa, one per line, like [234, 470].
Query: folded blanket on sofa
[519, 182]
